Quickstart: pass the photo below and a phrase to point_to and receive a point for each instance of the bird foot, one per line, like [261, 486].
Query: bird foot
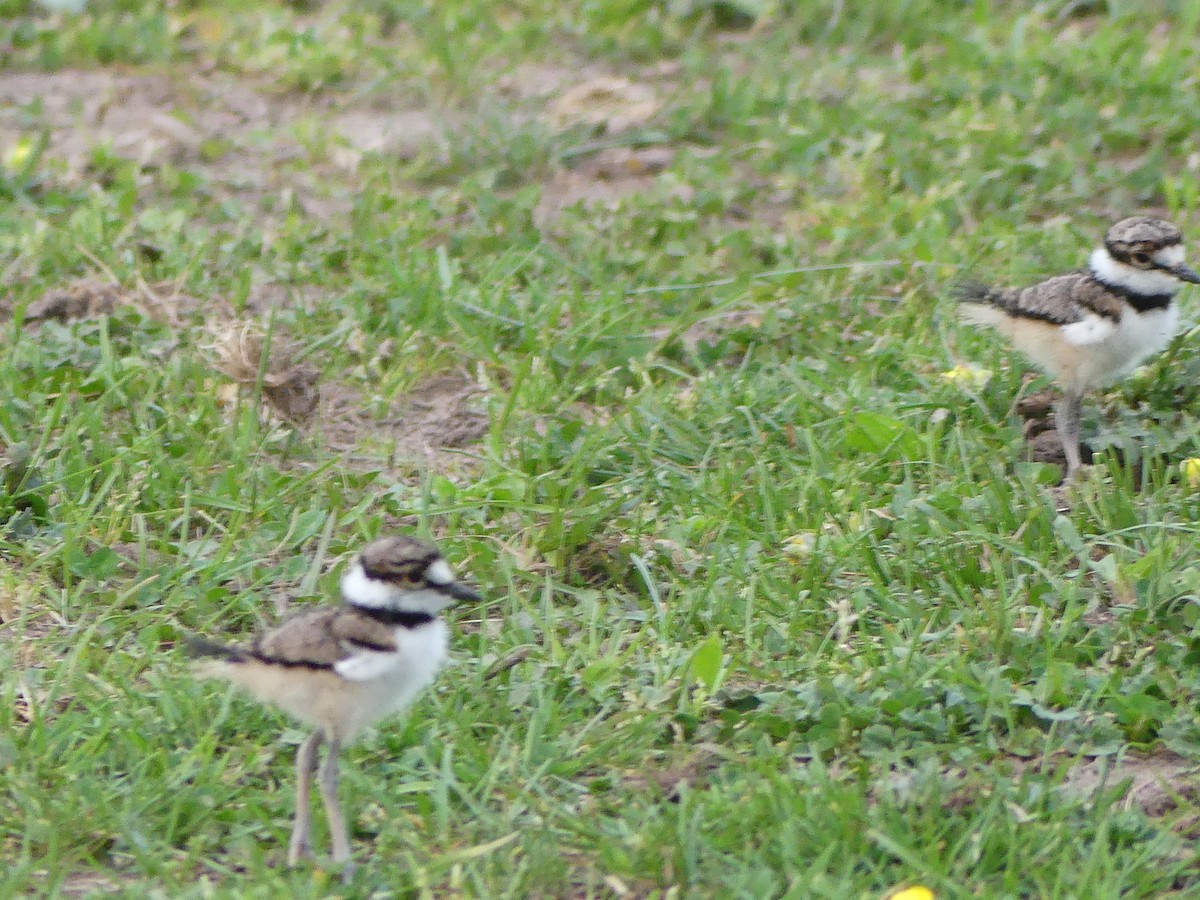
[299, 849]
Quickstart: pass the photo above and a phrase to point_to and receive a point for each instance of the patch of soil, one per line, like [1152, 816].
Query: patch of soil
[267, 296]
[439, 414]
[607, 103]
[1158, 782]
[238, 137]
[1043, 443]
[691, 771]
[620, 163]
[90, 298]
[605, 179]
[85, 299]
[93, 884]
[600, 102]
[1046, 447]
[541, 81]
[567, 189]
[402, 133]
[145, 118]
[442, 413]
[537, 81]
[1037, 409]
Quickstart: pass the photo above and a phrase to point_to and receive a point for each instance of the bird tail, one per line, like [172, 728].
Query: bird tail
[978, 292]
[202, 648]
[982, 304]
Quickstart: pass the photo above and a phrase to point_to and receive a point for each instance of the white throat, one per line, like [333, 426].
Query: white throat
[1145, 282]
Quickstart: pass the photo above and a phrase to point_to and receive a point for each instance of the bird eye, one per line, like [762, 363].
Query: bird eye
[1141, 258]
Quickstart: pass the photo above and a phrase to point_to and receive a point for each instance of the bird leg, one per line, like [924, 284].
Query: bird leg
[306, 764]
[1067, 418]
[333, 811]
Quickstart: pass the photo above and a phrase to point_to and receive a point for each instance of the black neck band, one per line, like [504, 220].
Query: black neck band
[1140, 302]
[402, 617]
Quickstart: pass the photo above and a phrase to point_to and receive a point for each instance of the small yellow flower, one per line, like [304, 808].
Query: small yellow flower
[1190, 469]
[968, 376]
[18, 154]
[912, 893]
[800, 546]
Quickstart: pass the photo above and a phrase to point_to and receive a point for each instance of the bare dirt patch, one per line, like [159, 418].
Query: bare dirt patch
[241, 139]
[89, 298]
[1043, 444]
[607, 103]
[537, 81]
[441, 414]
[93, 884]
[690, 772]
[146, 118]
[84, 299]
[402, 133]
[266, 297]
[594, 102]
[542, 81]
[1158, 783]
[606, 179]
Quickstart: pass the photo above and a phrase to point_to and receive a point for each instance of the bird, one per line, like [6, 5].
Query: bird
[342, 668]
[1089, 328]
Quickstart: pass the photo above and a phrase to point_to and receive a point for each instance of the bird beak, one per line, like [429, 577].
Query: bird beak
[1183, 273]
[460, 591]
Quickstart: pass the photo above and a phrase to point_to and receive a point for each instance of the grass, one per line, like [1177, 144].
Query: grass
[772, 608]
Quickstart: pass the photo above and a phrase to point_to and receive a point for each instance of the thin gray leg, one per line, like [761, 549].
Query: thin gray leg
[1067, 418]
[306, 764]
[333, 811]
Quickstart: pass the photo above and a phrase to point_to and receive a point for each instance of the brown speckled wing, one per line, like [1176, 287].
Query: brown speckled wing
[306, 639]
[1063, 300]
[319, 639]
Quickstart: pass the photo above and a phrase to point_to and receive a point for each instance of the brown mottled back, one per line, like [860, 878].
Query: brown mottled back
[1061, 300]
[323, 637]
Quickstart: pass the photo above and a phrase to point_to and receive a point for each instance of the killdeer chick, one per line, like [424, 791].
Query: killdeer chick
[1090, 328]
[342, 668]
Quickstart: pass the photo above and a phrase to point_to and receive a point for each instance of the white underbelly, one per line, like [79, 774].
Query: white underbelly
[1138, 336]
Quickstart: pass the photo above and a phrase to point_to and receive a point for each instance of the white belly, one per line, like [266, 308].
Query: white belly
[1137, 337]
[420, 653]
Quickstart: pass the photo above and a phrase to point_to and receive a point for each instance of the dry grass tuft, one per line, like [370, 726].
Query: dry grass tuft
[246, 352]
